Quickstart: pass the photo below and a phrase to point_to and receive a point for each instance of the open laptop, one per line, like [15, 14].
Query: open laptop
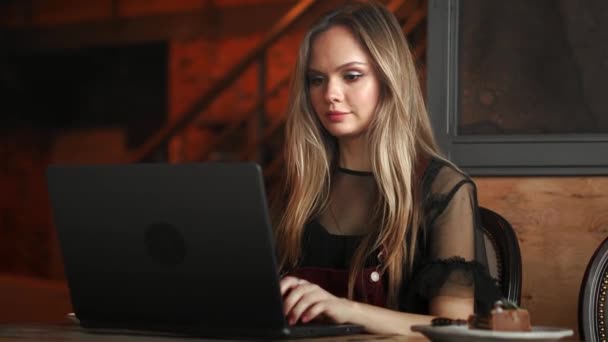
[186, 249]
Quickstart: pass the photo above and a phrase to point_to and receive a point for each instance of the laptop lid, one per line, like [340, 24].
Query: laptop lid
[151, 245]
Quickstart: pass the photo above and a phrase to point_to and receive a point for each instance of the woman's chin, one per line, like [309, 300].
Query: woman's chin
[345, 134]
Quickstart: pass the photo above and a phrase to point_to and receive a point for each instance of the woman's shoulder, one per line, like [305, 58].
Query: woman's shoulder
[436, 164]
[441, 174]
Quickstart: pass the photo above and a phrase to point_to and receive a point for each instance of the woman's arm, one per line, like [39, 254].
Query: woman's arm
[384, 321]
[305, 301]
[452, 307]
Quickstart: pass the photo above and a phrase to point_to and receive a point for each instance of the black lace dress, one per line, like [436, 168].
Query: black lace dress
[450, 254]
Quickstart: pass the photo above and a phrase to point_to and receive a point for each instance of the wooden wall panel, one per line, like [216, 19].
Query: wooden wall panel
[559, 221]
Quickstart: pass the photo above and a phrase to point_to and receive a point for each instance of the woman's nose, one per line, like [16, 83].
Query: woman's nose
[333, 92]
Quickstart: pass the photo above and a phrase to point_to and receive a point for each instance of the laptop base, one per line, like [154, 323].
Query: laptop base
[297, 331]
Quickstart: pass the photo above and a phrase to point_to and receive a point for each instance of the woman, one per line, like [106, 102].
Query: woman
[376, 228]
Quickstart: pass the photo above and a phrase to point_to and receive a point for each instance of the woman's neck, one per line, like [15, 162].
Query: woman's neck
[354, 154]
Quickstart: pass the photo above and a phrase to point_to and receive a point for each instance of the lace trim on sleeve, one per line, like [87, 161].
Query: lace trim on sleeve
[437, 275]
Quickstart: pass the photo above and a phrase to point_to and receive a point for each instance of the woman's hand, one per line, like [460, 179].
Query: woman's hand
[305, 301]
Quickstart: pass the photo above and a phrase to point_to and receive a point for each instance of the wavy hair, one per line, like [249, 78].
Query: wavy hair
[398, 135]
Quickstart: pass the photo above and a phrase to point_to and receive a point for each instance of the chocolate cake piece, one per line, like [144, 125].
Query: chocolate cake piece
[502, 318]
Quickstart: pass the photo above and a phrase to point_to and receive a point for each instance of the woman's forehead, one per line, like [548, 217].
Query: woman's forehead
[334, 48]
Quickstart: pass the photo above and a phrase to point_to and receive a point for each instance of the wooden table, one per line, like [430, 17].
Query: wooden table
[73, 333]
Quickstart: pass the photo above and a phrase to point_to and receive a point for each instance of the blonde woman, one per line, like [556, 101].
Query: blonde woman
[376, 228]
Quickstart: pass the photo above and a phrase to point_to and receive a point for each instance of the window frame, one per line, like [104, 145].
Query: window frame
[495, 155]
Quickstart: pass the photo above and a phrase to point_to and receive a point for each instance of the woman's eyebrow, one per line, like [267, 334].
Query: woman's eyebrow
[345, 65]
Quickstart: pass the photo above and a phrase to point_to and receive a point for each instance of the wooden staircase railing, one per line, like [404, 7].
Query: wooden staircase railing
[235, 124]
[170, 129]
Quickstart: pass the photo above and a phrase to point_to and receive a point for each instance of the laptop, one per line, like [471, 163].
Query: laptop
[178, 248]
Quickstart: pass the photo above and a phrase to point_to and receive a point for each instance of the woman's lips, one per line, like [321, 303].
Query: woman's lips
[335, 116]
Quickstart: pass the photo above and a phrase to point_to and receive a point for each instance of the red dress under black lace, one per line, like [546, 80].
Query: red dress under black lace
[450, 256]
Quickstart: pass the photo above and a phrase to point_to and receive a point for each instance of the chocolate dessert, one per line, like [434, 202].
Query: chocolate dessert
[505, 316]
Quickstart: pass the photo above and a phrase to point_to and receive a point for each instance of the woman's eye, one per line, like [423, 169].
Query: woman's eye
[352, 76]
[315, 80]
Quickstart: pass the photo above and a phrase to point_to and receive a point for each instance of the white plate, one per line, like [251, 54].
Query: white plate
[449, 333]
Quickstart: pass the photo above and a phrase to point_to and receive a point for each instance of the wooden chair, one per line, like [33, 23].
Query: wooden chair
[503, 254]
[592, 320]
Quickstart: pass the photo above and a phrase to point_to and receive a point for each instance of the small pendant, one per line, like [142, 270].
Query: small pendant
[374, 276]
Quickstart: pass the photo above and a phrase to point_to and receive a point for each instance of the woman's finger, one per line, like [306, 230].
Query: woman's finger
[289, 282]
[307, 301]
[313, 312]
[295, 295]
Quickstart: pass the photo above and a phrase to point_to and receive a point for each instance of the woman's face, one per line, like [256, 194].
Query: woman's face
[343, 85]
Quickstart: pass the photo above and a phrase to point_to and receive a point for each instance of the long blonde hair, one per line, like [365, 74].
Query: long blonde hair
[399, 133]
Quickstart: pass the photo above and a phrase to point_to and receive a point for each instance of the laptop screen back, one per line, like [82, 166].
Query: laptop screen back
[187, 244]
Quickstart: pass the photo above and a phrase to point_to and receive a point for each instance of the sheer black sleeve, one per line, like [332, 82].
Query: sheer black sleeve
[451, 253]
